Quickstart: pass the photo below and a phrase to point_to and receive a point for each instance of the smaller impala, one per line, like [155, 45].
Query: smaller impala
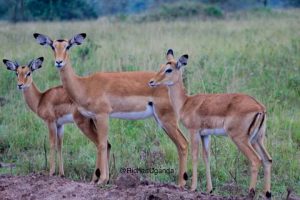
[53, 106]
[239, 116]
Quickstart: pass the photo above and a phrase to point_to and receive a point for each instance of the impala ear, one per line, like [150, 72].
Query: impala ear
[11, 65]
[182, 61]
[77, 39]
[36, 63]
[170, 55]
[43, 39]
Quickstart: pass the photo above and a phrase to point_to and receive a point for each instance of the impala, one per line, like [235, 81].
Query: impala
[124, 95]
[53, 106]
[238, 116]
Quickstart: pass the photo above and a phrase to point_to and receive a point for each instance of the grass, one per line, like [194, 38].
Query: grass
[254, 54]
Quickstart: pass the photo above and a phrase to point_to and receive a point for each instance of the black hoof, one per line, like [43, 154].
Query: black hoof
[268, 195]
[252, 193]
[185, 176]
[97, 172]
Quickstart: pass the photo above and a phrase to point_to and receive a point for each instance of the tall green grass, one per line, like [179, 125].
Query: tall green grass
[254, 54]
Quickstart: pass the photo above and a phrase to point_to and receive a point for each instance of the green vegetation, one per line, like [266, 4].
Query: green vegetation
[181, 9]
[257, 55]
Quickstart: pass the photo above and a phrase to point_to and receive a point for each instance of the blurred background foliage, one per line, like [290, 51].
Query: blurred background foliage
[234, 46]
[54, 10]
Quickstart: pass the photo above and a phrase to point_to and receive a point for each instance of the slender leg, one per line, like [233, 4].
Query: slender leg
[206, 158]
[101, 123]
[267, 163]
[87, 126]
[194, 135]
[60, 135]
[52, 138]
[267, 167]
[167, 119]
[255, 161]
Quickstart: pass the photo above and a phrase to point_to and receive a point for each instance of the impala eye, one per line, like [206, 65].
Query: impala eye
[28, 74]
[168, 71]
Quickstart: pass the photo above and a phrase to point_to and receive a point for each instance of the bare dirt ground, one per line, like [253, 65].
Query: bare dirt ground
[40, 186]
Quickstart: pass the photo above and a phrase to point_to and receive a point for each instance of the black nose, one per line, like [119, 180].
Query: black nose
[151, 83]
[58, 61]
[20, 86]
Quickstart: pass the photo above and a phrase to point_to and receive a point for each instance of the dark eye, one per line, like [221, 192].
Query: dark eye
[28, 74]
[168, 71]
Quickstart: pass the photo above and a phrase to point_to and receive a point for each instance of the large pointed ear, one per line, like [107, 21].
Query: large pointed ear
[182, 61]
[77, 39]
[170, 55]
[36, 63]
[43, 39]
[11, 65]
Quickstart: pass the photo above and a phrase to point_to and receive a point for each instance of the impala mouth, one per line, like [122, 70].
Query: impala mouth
[21, 87]
[152, 84]
[59, 64]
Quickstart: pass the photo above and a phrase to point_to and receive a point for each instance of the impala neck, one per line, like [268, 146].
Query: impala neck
[32, 96]
[69, 79]
[177, 95]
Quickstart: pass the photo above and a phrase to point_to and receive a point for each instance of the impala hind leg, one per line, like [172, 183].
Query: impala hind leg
[255, 161]
[167, 119]
[194, 135]
[52, 139]
[267, 164]
[87, 126]
[206, 158]
[60, 135]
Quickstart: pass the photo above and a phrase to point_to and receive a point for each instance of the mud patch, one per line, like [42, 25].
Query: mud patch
[40, 186]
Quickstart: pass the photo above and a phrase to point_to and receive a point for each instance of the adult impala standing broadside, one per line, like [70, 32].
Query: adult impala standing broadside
[53, 106]
[123, 95]
[239, 116]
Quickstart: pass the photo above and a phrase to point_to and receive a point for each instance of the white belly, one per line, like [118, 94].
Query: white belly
[86, 113]
[215, 131]
[65, 119]
[148, 112]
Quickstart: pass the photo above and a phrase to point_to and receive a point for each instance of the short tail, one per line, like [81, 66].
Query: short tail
[256, 125]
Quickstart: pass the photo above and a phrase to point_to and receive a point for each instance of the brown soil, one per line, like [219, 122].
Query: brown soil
[40, 186]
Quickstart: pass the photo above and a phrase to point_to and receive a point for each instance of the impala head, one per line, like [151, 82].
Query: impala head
[24, 72]
[169, 73]
[60, 47]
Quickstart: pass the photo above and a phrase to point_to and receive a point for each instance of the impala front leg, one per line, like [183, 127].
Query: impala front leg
[101, 123]
[194, 136]
[52, 138]
[168, 121]
[60, 135]
[87, 126]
